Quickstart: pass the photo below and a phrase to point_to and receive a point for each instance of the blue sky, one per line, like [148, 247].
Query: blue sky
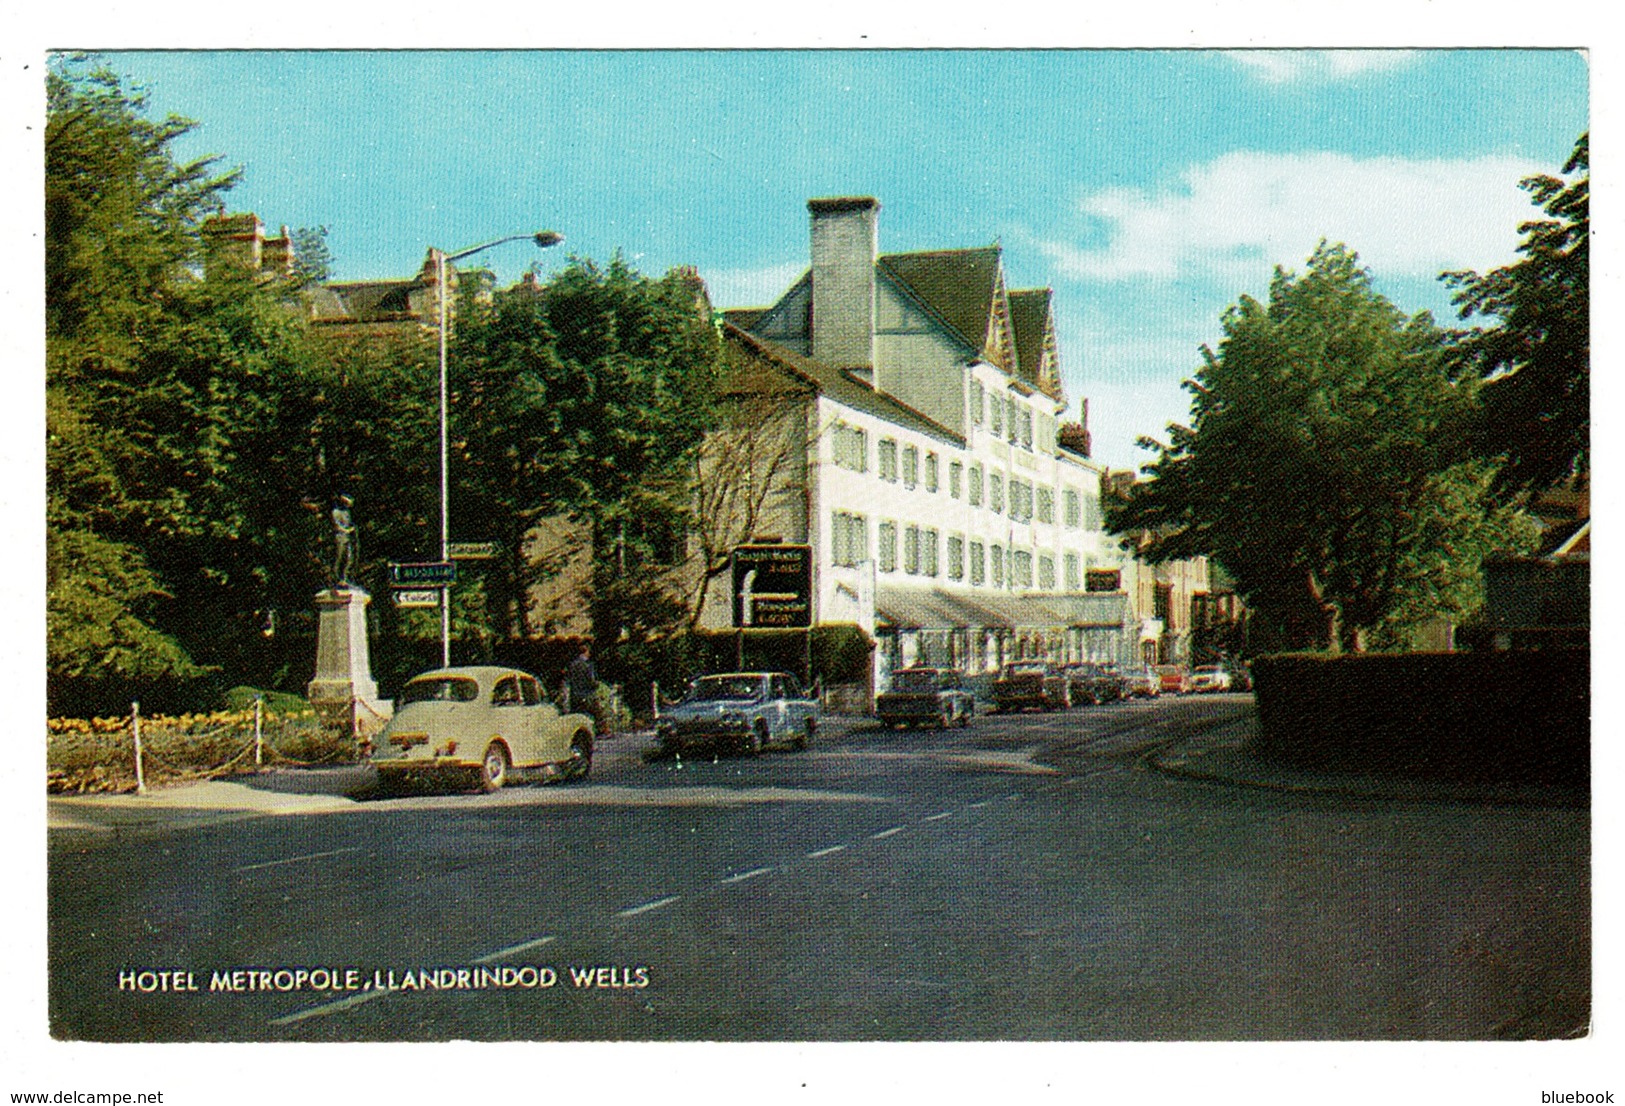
[1149, 188]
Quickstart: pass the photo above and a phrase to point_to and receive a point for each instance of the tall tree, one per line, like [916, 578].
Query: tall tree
[1326, 466]
[1536, 360]
[586, 397]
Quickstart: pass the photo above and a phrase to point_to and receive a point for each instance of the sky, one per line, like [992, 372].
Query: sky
[1149, 188]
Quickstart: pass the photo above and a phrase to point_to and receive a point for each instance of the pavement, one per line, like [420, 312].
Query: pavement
[1226, 755]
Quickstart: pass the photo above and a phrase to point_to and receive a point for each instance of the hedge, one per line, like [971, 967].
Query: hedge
[1488, 716]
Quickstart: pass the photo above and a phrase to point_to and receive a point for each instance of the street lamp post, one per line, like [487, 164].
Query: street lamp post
[543, 239]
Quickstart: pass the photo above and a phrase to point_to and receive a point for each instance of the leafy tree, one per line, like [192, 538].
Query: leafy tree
[312, 260]
[1537, 360]
[1326, 465]
[587, 397]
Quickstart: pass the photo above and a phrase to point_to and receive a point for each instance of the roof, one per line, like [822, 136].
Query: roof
[360, 301]
[1029, 318]
[841, 386]
[958, 286]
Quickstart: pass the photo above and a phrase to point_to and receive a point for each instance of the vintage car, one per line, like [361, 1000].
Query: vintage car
[1094, 683]
[1142, 683]
[925, 697]
[481, 725]
[741, 712]
[1031, 684]
[1208, 678]
[1174, 679]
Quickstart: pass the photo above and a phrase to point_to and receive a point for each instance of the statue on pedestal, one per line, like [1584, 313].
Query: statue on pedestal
[343, 541]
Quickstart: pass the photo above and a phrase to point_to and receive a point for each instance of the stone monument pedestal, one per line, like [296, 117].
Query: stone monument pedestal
[343, 691]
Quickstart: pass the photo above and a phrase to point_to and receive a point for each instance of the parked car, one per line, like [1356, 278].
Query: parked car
[739, 712]
[1094, 683]
[481, 725]
[925, 696]
[1174, 679]
[1208, 678]
[1024, 684]
[1241, 677]
[1142, 683]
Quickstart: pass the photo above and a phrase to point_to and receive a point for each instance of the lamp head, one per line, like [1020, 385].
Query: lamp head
[546, 238]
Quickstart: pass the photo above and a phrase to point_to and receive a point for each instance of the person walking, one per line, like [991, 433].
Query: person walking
[581, 681]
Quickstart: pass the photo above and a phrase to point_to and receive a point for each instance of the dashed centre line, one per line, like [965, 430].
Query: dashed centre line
[886, 833]
[644, 908]
[937, 817]
[826, 852]
[752, 874]
[296, 859]
[512, 950]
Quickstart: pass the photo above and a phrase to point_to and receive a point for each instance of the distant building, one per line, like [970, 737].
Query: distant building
[925, 399]
[239, 240]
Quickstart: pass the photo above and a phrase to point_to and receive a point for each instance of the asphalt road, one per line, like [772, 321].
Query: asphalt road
[1029, 878]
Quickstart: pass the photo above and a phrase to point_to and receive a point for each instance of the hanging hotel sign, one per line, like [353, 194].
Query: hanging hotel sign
[772, 586]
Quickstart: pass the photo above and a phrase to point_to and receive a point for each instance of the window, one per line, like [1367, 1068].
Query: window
[995, 487]
[1045, 507]
[955, 472]
[1074, 581]
[928, 553]
[977, 395]
[886, 540]
[886, 459]
[911, 466]
[998, 414]
[1021, 568]
[1091, 513]
[1026, 428]
[850, 446]
[978, 563]
[1046, 433]
[930, 472]
[1013, 418]
[911, 550]
[1070, 511]
[956, 557]
[1046, 573]
[997, 564]
[974, 492]
[848, 538]
[1021, 500]
[1102, 579]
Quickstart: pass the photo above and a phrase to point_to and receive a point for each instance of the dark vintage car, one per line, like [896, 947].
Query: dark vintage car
[1025, 685]
[1094, 683]
[739, 712]
[1174, 679]
[925, 697]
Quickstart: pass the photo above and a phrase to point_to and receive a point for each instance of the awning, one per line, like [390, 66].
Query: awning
[906, 608]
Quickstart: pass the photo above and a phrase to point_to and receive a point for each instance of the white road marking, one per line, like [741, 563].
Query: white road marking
[825, 852]
[297, 859]
[886, 833]
[743, 876]
[657, 904]
[937, 817]
[332, 1007]
[980, 805]
[503, 954]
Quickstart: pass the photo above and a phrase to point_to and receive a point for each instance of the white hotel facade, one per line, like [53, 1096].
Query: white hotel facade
[945, 516]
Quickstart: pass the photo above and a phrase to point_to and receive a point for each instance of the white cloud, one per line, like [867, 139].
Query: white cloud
[1244, 212]
[751, 287]
[1287, 66]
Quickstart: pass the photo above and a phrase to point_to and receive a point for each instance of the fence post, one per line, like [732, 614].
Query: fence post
[654, 699]
[259, 731]
[135, 727]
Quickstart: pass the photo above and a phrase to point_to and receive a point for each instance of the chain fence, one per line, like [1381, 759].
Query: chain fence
[127, 753]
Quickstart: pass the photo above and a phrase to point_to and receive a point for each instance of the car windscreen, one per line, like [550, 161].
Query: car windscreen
[712, 688]
[440, 689]
[914, 681]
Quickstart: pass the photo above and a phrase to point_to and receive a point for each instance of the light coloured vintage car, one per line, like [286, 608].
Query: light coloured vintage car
[480, 725]
[741, 712]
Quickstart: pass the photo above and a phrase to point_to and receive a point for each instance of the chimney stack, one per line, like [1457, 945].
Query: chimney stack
[845, 231]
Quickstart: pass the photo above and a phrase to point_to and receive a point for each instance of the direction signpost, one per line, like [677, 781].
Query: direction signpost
[421, 574]
[772, 587]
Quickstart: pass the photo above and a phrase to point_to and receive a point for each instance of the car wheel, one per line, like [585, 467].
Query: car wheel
[808, 729]
[579, 765]
[757, 739]
[965, 715]
[494, 768]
